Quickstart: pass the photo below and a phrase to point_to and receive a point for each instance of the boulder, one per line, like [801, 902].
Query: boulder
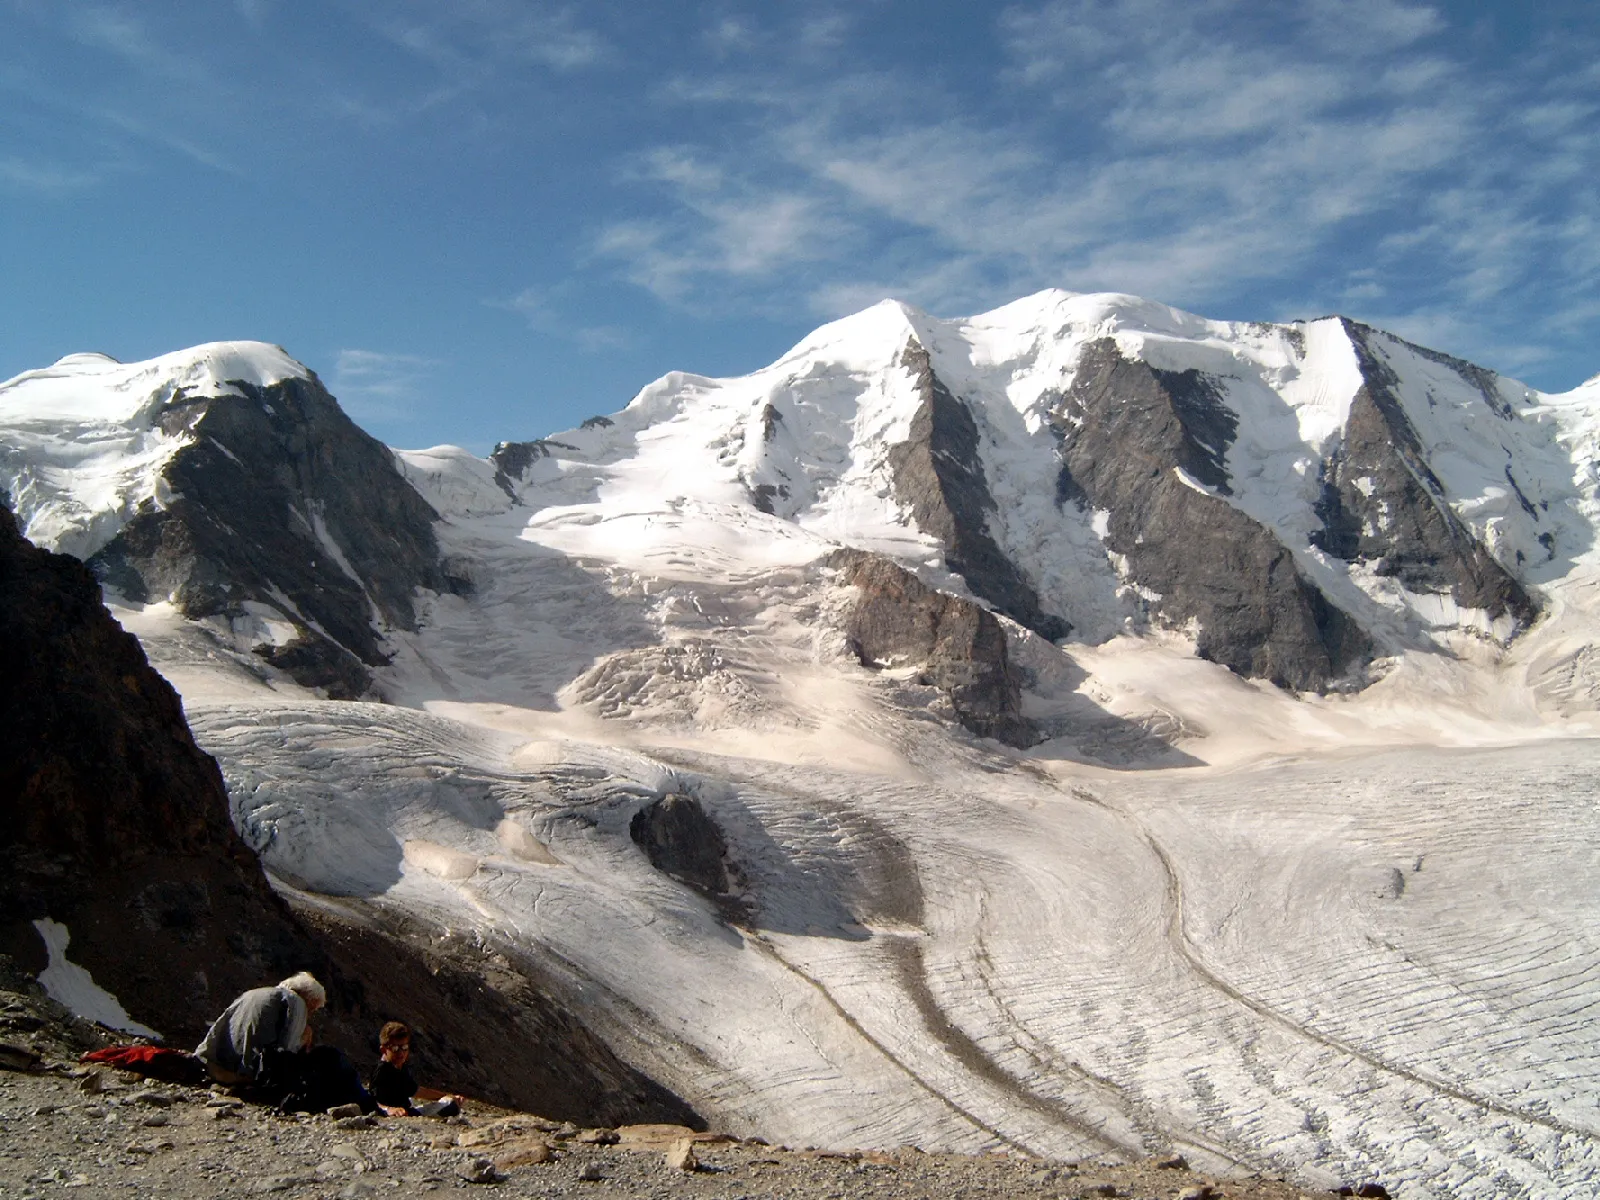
[680, 1156]
[681, 839]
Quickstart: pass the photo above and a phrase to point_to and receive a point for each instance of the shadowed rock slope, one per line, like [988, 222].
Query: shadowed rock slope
[1130, 434]
[113, 822]
[939, 476]
[1382, 504]
[283, 508]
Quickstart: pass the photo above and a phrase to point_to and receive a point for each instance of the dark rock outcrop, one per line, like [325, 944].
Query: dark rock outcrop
[112, 820]
[680, 839]
[959, 645]
[939, 476]
[1126, 429]
[114, 823]
[512, 459]
[1382, 504]
[280, 499]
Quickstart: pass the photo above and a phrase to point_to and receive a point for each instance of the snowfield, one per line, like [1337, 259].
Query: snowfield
[1376, 964]
[1338, 937]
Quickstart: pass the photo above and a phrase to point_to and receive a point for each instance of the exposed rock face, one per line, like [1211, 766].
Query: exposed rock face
[280, 501]
[961, 645]
[939, 476]
[1127, 430]
[1382, 504]
[512, 459]
[113, 822]
[679, 838]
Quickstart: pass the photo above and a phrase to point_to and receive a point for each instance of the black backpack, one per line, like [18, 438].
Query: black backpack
[314, 1080]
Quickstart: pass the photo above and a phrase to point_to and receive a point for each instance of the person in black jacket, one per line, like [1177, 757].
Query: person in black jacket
[393, 1085]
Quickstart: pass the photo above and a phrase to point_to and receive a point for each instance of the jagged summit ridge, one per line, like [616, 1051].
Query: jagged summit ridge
[1295, 499]
[1387, 488]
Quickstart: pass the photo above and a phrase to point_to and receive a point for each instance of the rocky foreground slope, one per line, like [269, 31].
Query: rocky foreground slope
[115, 822]
[99, 1132]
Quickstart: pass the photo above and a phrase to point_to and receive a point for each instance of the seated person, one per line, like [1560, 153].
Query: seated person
[393, 1085]
[262, 1042]
[264, 1022]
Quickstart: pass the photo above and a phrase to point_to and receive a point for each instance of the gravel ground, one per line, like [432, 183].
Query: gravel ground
[97, 1132]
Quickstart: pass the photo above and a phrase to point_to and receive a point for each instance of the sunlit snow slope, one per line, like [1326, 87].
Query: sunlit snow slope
[83, 446]
[1345, 933]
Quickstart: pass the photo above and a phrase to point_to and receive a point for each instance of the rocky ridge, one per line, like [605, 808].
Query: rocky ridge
[939, 476]
[283, 510]
[1381, 503]
[1145, 445]
[1132, 497]
[1297, 499]
[958, 645]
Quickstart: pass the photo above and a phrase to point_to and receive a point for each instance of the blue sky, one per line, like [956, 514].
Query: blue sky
[489, 219]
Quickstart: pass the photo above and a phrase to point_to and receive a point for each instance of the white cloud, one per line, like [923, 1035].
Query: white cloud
[724, 222]
[377, 385]
[1372, 26]
[47, 179]
[543, 310]
[254, 12]
[170, 141]
[471, 39]
[825, 31]
[730, 36]
[126, 35]
[680, 166]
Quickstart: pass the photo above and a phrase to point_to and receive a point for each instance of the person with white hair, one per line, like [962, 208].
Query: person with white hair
[241, 1044]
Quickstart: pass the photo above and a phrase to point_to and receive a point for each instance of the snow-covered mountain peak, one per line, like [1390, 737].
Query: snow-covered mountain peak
[862, 340]
[1026, 455]
[94, 386]
[86, 446]
[89, 358]
[1384, 470]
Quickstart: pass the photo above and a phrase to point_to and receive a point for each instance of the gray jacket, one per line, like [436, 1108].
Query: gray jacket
[260, 1020]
